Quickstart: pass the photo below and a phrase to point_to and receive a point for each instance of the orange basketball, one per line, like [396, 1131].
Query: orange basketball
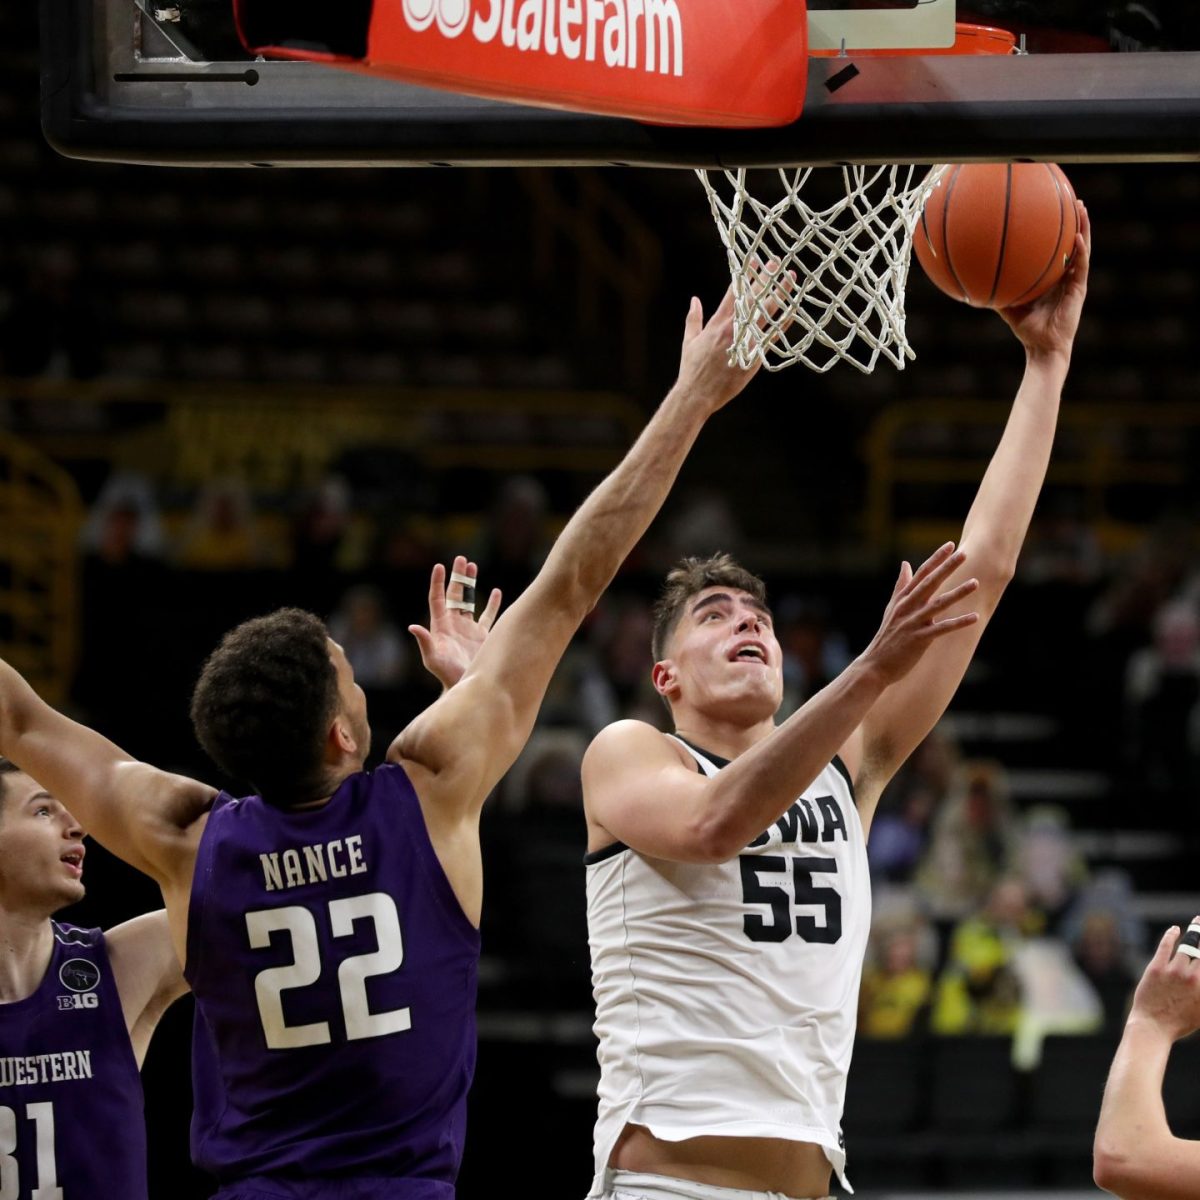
[998, 234]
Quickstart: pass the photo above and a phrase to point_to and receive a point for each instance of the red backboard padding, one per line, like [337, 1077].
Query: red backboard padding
[730, 63]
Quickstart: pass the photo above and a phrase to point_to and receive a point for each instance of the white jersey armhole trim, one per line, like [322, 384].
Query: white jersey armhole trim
[707, 766]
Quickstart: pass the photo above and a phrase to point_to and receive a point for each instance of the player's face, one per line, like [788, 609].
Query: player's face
[41, 849]
[352, 699]
[725, 656]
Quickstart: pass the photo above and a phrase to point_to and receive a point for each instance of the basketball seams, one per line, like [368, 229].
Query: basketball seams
[1008, 187]
[1057, 179]
[1012, 240]
[945, 210]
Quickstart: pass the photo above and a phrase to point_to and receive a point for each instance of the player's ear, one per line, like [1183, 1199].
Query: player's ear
[664, 677]
[341, 737]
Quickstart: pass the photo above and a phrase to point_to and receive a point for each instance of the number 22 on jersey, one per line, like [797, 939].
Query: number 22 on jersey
[306, 967]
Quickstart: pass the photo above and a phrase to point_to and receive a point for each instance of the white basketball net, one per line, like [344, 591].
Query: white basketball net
[850, 262]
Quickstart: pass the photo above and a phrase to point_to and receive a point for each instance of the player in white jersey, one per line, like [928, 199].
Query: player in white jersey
[726, 960]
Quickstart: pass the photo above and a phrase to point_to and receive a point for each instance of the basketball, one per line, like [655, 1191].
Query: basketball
[998, 234]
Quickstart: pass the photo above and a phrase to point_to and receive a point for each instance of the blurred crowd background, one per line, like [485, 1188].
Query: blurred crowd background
[223, 391]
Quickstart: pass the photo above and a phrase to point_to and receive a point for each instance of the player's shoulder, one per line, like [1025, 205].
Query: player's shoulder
[69, 935]
[386, 774]
[632, 743]
[621, 735]
[387, 779]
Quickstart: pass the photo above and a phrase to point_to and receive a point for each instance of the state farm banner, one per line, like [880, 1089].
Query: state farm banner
[676, 62]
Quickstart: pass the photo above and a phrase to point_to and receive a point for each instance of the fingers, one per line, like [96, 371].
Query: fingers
[462, 566]
[949, 625]
[493, 607]
[456, 591]
[935, 560]
[1166, 947]
[1186, 951]
[1083, 257]
[918, 603]
[437, 593]
[933, 571]
[424, 640]
[953, 596]
[770, 288]
[694, 322]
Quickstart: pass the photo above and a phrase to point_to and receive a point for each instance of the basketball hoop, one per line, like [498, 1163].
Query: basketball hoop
[850, 261]
[849, 257]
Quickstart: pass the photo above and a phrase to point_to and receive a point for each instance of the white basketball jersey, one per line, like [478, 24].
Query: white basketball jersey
[727, 994]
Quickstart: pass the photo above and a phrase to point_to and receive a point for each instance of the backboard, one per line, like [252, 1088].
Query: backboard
[858, 24]
[121, 84]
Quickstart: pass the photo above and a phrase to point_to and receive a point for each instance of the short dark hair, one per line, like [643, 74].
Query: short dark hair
[689, 578]
[6, 768]
[264, 703]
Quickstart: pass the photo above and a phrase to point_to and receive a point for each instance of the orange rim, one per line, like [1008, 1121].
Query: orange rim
[968, 39]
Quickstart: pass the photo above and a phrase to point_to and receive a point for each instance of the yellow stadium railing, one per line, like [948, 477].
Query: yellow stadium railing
[279, 438]
[917, 452]
[40, 517]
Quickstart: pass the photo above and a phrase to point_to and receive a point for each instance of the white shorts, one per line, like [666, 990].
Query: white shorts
[631, 1185]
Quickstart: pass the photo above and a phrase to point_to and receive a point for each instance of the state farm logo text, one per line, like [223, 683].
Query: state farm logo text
[618, 33]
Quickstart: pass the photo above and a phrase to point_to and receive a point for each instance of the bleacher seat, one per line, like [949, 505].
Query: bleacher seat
[974, 1086]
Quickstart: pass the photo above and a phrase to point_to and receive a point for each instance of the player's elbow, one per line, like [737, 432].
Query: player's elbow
[576, 585]
[994, 567]
[992, 559]
[1117, 1169]
[714, 839]
[997, 575]
[14, 712]
[1107, 1169]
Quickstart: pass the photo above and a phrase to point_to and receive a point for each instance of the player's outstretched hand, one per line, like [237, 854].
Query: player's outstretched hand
[1169, 992]
[453, 637]
[1048, 325]
[912, 619]
[705, 369]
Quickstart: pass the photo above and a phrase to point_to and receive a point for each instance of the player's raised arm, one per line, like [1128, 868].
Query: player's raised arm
[1136, 1156]
[643, 790]
[148, 975]
[469, 738]
[993, 532]
[146, 816]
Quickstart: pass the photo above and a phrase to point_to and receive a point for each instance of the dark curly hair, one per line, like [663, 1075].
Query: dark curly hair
[689, 578]
[264, 703]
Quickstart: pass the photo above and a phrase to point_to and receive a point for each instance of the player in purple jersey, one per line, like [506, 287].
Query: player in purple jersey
[328, 924]
[77, 1008]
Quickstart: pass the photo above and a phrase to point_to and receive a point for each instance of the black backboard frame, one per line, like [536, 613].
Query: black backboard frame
[102, 101]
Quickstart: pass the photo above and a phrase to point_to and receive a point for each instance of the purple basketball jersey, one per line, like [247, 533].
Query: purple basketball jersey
[71, 1110]
[335, 977]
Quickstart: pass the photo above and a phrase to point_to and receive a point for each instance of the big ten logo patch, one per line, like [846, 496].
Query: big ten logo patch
[81, 977]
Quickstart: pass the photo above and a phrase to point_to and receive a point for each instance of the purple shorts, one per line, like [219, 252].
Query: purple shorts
[263, 1188]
